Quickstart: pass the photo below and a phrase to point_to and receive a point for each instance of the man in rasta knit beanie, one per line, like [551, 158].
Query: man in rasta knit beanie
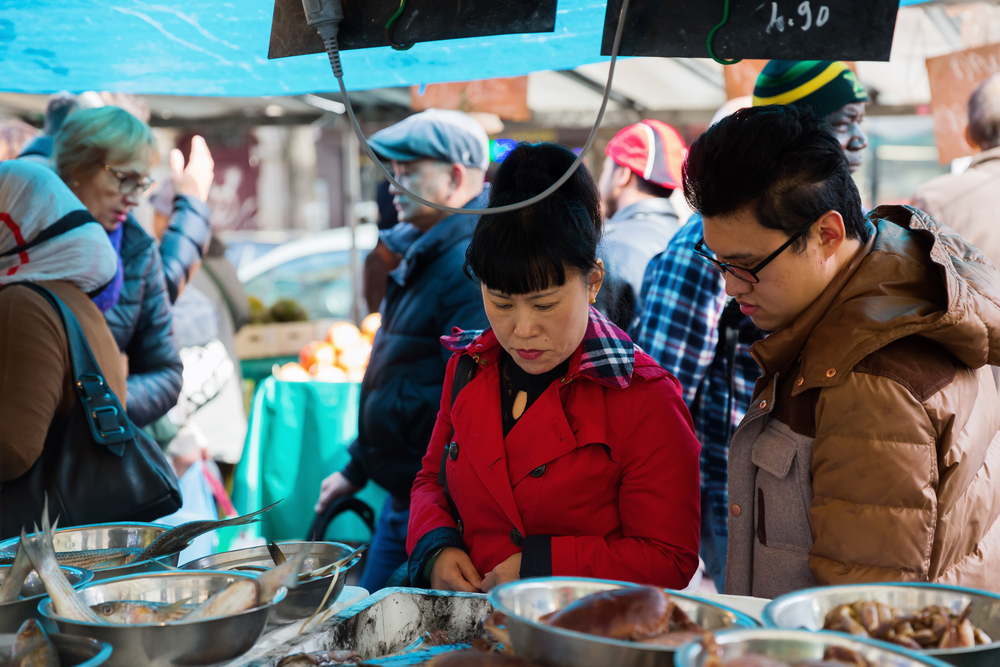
[827, 87]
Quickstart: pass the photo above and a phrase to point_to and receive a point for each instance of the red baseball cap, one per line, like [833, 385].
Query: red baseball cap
[652, 149]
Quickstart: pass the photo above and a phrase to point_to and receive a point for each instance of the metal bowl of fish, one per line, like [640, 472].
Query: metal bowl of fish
[16, 612]
[797, 648]
[165, 599]
[304, 600]
[525, 603]
[102, 548]
[913, 603]
[71, 651]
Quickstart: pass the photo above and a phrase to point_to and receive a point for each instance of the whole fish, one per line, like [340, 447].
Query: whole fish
[43, 556]
[245, 594]
[32, 647]
[129, 613]
[14, 578]
[90, 559]
[179, 538]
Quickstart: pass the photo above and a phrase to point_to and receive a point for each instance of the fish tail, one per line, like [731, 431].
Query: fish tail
[286, 574]
[276, 555]
[43, 557]
[246, 518]
[18, 572]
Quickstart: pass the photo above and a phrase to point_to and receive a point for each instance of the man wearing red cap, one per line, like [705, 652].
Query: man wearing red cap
[641, 170]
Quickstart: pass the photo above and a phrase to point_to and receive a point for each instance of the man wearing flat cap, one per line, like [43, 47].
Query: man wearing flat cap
[442, 157]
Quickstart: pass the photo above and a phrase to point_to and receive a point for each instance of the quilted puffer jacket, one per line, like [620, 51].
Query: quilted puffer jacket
[871, 450]
[141, 323]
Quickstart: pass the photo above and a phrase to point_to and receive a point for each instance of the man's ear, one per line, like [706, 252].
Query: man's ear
[459, 177]
[832, 232]
[622, 176]
[969, 139]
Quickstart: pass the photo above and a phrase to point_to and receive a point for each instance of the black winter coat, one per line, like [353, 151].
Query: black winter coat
[427, 295]
[141, 323]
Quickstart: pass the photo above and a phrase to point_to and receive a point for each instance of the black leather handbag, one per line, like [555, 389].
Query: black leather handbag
[96, 466]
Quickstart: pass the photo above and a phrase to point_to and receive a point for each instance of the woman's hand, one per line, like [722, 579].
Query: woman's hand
[333, 487]
[194, 180]
[509, 570]
[453, 571]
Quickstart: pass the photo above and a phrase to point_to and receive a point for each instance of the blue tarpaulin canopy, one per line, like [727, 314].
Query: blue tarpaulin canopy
[218, 47]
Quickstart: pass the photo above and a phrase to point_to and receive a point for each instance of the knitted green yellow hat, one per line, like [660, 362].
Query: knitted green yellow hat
[823, 85]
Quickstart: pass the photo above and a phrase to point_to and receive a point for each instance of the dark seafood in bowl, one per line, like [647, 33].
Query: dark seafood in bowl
[473, 658]
[933, 627]
[833, 656]
[640, 614]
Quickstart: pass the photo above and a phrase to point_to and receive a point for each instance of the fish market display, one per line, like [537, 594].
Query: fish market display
[932, 627]
[245, 594]
[43, 556]
[10, 590]
[834, 656]
[91, 559]
[32, 648]
[640, 614]
[321, 659]
[179, 538]
[140, 612]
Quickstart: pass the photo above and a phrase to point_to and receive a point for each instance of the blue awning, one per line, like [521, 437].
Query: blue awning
[201, 47]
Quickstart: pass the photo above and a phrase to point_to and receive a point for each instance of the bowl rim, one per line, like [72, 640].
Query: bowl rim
[103, 653]
[494, 599]
[11, 541]
[44, 605]
[85, 578]
[770, 609]
[352, 563]
[684, 652]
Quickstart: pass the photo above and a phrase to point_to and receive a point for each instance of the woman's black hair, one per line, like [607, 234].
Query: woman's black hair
[528, 250]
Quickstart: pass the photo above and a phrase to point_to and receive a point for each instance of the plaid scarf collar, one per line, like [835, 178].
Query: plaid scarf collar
[606, 356]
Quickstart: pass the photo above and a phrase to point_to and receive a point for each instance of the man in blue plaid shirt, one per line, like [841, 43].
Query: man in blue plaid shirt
[683, 300]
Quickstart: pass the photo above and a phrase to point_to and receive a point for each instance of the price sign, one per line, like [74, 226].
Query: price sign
[760, 29]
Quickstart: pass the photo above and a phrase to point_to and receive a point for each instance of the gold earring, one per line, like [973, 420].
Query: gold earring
[593, 300]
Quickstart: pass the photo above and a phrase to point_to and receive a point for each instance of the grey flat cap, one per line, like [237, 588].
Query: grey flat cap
[438, 134]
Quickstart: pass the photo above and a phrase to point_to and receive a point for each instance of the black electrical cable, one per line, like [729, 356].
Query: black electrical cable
[325, 16]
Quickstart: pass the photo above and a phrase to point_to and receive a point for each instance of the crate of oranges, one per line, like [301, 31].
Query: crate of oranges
[341, 357]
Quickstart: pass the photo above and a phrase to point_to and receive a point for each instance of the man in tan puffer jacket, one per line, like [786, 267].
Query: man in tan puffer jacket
[871, 449]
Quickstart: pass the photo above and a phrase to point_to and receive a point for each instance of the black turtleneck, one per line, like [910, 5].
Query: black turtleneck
[514, 379]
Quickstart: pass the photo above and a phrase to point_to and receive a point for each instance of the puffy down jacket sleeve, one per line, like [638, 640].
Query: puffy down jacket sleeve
[154, 363]
[875, 480]
[184, 243]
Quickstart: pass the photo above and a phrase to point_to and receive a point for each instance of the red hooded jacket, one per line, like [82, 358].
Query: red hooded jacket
[599, 477]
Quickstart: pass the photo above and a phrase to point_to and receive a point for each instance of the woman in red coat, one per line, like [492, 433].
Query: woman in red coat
[569, 452]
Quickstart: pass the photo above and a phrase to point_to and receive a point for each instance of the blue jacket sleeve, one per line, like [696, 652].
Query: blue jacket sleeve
[682, 301]
[184, 243]
[155, 367]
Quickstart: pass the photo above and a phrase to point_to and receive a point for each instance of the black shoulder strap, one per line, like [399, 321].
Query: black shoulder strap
[107, 419]
[465, 370]
[68, 222]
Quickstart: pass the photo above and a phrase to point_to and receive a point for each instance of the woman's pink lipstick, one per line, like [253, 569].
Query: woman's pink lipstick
[529, 354]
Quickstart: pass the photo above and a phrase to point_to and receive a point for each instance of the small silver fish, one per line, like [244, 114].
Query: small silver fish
[43, 556]
[89, 559]
[130, 613]
[32, 647]
[179, 538]
[14, 578]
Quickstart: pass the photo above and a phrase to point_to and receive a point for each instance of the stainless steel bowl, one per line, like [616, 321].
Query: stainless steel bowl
[73, 651]
[209, 642]
[107, 536]
[794, 646]
[807, 608]
[302, 601]
[524, 602]
[16, 612]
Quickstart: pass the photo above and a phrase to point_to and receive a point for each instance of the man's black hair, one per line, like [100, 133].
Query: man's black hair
[781, 161]
[528, 250]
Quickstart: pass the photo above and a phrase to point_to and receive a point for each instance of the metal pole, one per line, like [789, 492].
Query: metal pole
[351, 164]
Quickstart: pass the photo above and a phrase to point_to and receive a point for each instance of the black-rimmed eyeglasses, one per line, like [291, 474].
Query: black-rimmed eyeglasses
[744, 274]
[130, 183]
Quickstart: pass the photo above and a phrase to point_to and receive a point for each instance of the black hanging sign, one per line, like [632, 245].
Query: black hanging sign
[759, 29]
[421, 21]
